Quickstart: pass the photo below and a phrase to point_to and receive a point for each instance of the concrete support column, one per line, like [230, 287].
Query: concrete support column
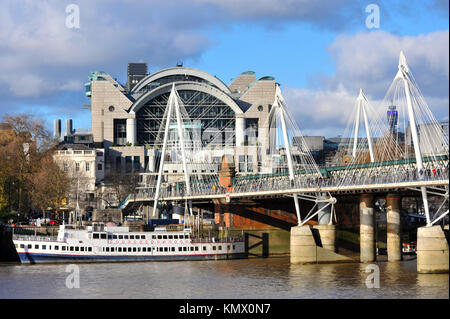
[327, 234]
[394, 248]
[303, 245]
[240, 127]
[367, 228]
[324, 216]
[432, 250]
[131, 131]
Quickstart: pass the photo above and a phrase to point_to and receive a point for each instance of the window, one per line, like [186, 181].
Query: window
[175, 236]
[166, 249]
[56, 247]
[214, 247]
[21, 246]
[71, 248]
[89, 248]
[103, 236]
[153, 236]
[204, 247]
[99, 167]
[159, 236]
[144, 249]
[36, 246]
[77, 167]
[164, 236]
[87, 167]
[220, 248]
[129, 249]
[95, 236]
[192, 248]
[170, 237]
[111, 108]
[172, 249]
[184, 248]
[120, 236]
[119, 249]
[65, 167]
[29, 246]
[131, 236]
[134, 249]
[107, 249]
[82, 248]
[63, 248]
[196, 248]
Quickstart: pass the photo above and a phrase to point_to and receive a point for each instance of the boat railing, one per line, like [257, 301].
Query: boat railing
[35, 238]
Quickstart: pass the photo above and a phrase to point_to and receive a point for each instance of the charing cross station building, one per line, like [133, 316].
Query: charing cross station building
[125, 120]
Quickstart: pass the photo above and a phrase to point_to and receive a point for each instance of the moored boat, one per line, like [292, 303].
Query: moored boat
[99, 243]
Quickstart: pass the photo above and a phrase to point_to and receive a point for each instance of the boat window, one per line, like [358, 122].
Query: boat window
[114, 236]
[63, 248]
[95, 235]
[164, 236]
[143, 237]
[192, 248]
[166, 248]
[119, 249]
[71, 248]
[196, 248]
[180, 249]
[153, 236]
[110, 236]
[228, 247]
[120, 236]
[89, 248]
[134, 249]
[172, 249]
[184, 248]
[125, 236]
[36, 246]
[107, 249]
[103, 236]
[204, 247]
[43, 246]
[170, 237]
[81, 248]
[214, 247]
[56, 247]
[21, 246]
[144, 249]
[139, 249]
[129, 249]
[175, 236]
[131, 236]
[77, 248]
[220, 248]
[29, 246]
[159, 237]
[234, 247]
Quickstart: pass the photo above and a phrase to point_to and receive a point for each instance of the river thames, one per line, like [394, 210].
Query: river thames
[271, 278]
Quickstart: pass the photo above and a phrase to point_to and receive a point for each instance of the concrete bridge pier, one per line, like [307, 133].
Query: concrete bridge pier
[326, 230]
[367, 228]
[394, 249]
[432, 250]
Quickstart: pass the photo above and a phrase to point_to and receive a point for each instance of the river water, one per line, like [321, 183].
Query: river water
[273, 278]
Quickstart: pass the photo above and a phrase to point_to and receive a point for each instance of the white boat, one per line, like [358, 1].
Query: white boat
[99, 243]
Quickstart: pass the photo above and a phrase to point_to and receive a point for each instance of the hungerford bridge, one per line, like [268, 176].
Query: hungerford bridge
[380, 160]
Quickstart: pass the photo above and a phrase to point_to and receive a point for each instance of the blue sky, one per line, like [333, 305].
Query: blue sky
[320, 52]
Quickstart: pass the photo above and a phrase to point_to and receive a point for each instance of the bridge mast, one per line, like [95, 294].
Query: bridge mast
[161, 161]
[403, 73]
[362, 101]
[278, 103]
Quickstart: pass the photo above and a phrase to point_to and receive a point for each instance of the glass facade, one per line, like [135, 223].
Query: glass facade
[214, 116]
